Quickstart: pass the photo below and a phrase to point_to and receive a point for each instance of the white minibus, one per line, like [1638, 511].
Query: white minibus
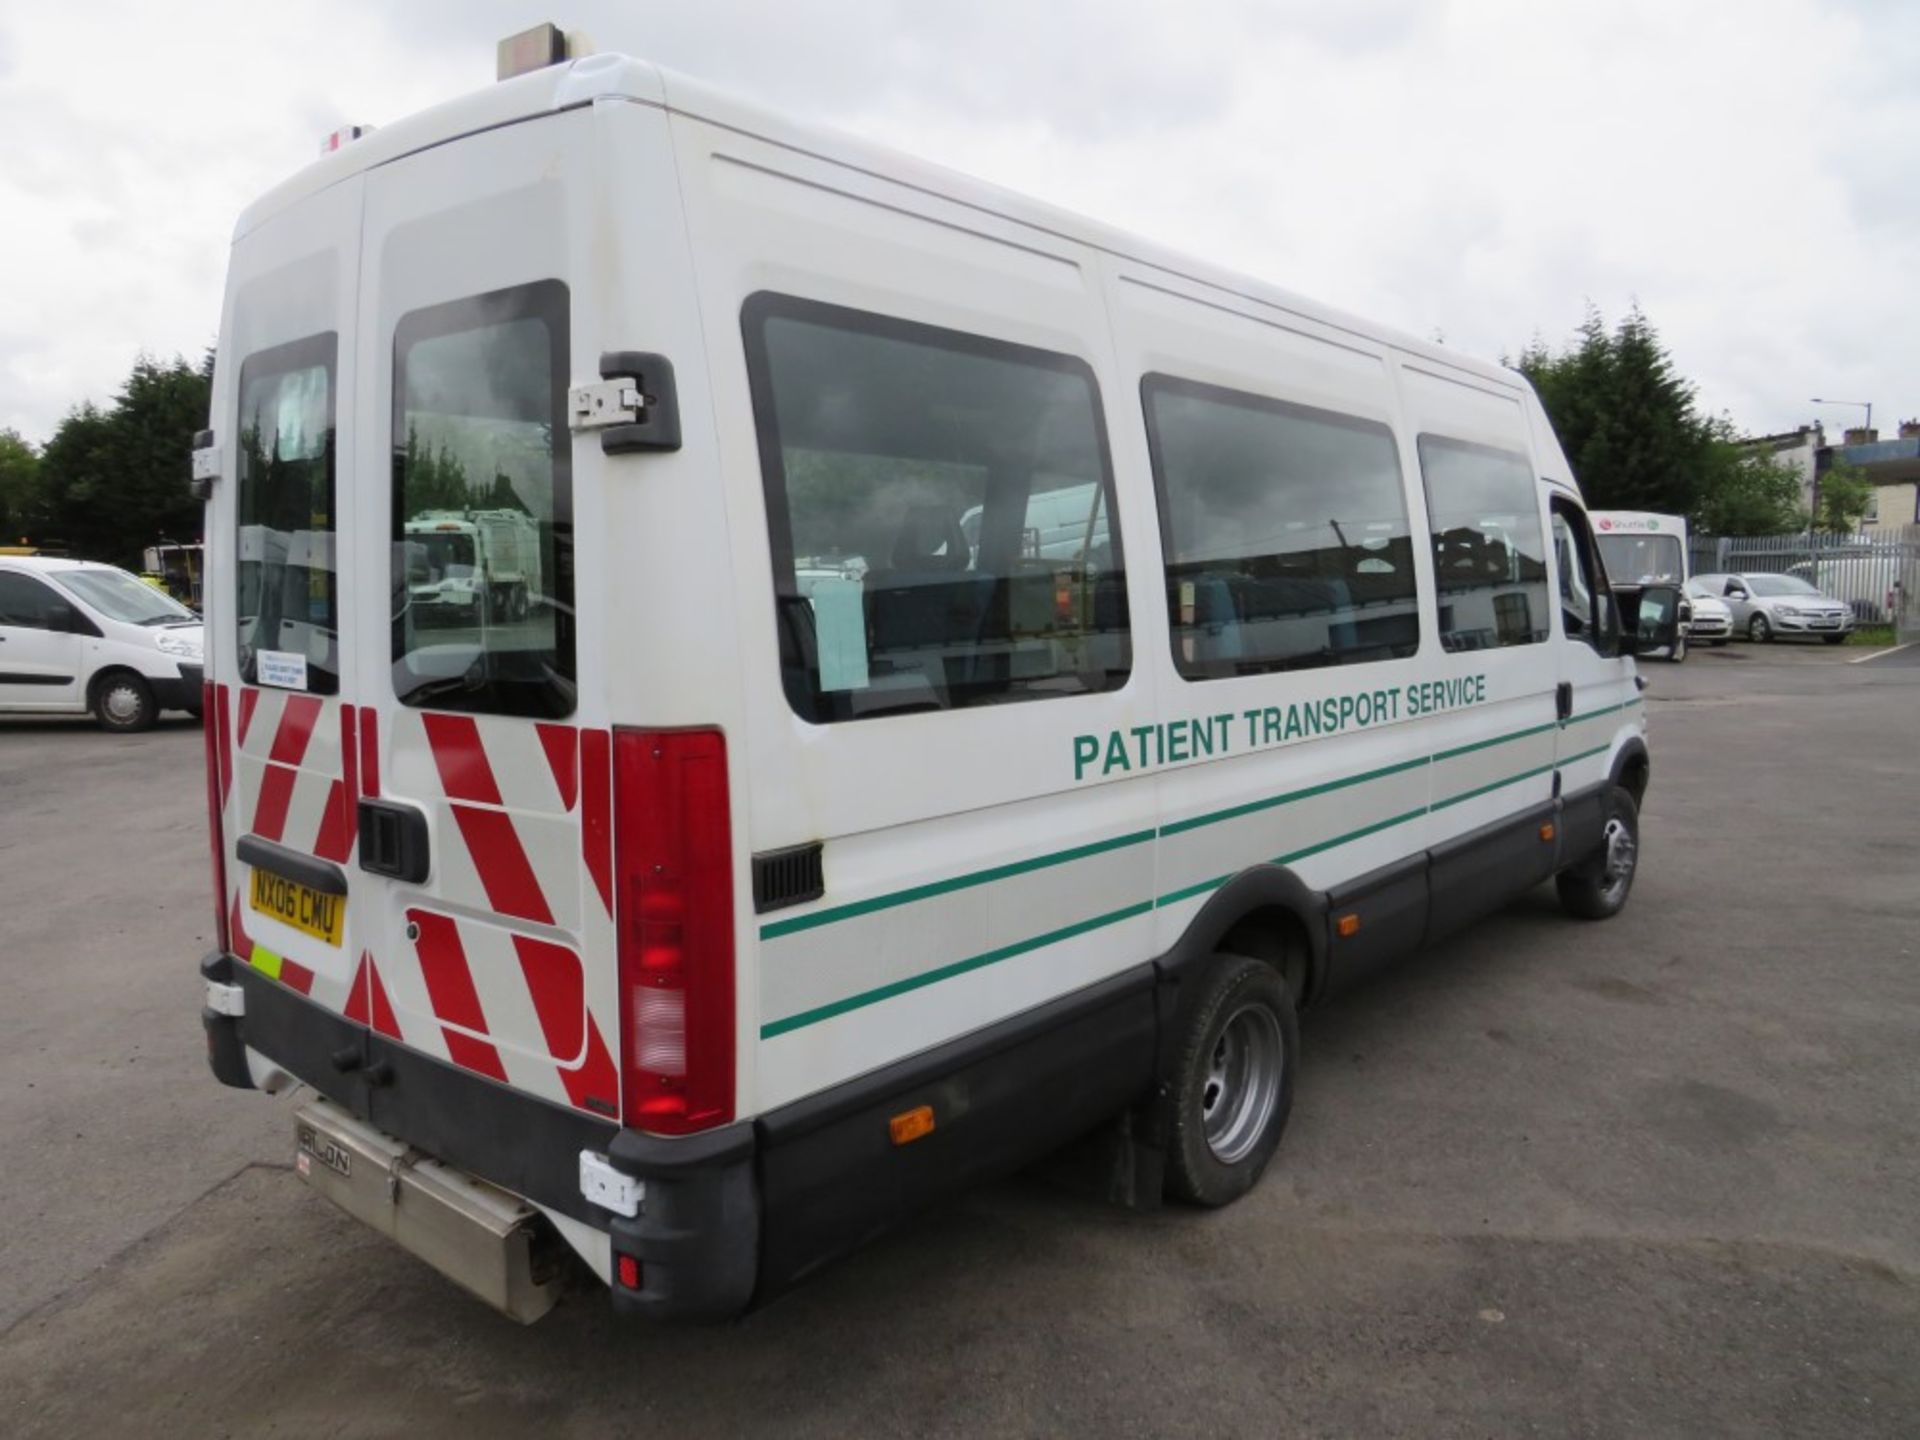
[988, 677]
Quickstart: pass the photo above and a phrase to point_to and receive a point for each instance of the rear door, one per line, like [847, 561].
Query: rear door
[484, 931]
[278, 619]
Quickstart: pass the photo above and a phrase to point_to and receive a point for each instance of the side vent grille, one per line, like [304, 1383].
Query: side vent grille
[787, 877]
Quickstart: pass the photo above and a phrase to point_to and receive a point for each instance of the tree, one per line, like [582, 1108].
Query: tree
[1743, 492]
[21, 511]
[114, 481]
[1845, 495]
[1624, 416]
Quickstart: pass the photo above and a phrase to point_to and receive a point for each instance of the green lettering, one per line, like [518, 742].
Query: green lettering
[1086, 750]
[1116, 754]
[1176, 740]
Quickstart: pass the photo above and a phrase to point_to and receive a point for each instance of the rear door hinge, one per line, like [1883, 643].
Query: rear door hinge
[633, 406]
[206, 464]
[226, 999]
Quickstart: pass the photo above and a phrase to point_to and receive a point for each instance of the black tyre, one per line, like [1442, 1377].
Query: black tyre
[1759, 630]
[1597, 888]
[123, 702]
[1834, 639]
[1679, 651]
[1232, 1081]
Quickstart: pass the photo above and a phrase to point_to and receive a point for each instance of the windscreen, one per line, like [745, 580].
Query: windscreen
[124, 597]
[1642, 559]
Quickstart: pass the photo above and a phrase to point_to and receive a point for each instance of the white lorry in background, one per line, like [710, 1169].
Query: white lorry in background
[473, 565]
[1641, 548]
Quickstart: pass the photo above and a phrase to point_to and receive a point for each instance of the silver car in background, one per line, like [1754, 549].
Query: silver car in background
[1769, 606]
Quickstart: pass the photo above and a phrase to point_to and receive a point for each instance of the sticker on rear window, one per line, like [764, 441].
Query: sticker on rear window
[281, 668]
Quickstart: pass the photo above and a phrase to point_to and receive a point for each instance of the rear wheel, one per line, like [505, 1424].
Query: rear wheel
[1679, 650]
[1597, 888]
[1232, 1081]
[1758, 630]
[123, 702]
[519, 602]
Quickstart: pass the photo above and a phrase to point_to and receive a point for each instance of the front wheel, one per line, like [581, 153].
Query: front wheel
[1834, 639]
[1597, 888]
[1679, 650]
[124, 704]
[1232, 1081]
[1759, 630]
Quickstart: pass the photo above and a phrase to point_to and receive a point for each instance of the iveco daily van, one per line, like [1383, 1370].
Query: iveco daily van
[986, 678]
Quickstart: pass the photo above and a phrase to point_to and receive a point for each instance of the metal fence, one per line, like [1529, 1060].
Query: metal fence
[1878, 574]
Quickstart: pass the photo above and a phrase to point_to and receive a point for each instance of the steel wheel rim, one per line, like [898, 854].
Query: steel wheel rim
[1242, 1086]
[1622, 852]
[123, 702]
[1758, 627]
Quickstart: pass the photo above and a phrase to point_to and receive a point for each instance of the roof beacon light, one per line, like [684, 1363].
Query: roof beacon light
[343, 137]
[536, 49]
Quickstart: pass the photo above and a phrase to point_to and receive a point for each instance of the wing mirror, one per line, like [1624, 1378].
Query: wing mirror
[1654, 622]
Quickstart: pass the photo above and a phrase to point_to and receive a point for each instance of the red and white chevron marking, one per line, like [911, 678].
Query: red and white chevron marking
[522, 826]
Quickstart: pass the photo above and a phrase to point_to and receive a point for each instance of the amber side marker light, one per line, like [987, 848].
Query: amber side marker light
[1348, 925]
[1546, 831]
[911, 1125]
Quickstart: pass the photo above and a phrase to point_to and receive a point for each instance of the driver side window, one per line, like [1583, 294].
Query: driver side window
[1586, 604]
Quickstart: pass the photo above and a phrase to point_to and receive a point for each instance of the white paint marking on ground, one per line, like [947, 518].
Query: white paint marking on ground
[1894, 650]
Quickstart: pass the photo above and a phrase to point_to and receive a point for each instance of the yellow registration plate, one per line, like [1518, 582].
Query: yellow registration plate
[315, 912]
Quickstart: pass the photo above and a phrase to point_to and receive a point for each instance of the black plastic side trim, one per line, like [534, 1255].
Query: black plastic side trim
[831, 1177]
[660, 429]
[1390, 905]
[1582, 819]
[1476, 873]
[14, 677]
[294, 865]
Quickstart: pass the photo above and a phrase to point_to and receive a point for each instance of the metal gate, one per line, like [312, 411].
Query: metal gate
[1877, 574]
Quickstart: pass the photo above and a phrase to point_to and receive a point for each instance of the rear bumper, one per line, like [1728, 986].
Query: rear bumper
[731, 1217]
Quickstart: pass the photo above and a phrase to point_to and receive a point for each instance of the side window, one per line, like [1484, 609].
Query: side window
[25, 602]
[940, 515]
[287, 592]
[1489, 555]
[1285, 530]
[482, 577]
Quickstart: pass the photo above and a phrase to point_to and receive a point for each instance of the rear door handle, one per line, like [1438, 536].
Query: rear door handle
[1563, 700]
[394, 841]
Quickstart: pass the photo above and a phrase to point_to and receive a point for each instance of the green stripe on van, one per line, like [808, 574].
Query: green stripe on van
[947, 972]
[1113, 917]
[1254, 806]
[775, 929]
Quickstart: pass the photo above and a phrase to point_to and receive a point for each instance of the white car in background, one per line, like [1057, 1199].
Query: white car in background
[1711, 622]
[78, 637]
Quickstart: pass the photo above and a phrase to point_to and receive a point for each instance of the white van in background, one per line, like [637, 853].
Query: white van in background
[1641, 548]
[987, 677]
[79, 638]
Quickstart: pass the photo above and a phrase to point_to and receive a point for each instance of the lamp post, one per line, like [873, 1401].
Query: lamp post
[1815, 504]
[1866, 405]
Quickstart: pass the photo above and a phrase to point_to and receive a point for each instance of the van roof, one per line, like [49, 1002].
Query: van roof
[51, 563]
[621, 77]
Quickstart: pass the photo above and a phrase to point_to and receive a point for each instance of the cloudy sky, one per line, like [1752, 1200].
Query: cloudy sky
[1476, 169]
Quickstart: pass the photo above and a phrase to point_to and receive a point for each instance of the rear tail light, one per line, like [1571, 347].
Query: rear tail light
[673, 860]
[213, 727]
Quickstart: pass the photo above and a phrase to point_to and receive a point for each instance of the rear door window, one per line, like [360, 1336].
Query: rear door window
[287, 588]
[482, 577]
[941, 515]
[1286, 533]
[1489, 553]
